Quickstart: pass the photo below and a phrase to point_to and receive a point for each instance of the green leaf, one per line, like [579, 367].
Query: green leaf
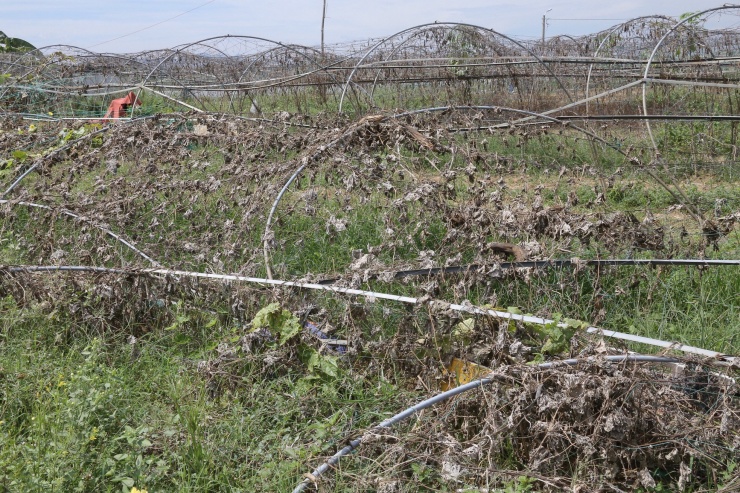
[281, 323]
[20, 155]
[264, 317]
[290, 327]
[576, 324]
[464, 330]
[181, 338]
[328, 366]
[552, 347]
[313, 359]
[557, 339]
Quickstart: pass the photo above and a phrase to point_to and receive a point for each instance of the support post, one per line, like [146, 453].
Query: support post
[323, 18]
[543, 30]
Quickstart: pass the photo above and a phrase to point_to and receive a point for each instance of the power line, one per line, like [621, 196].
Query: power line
[151, 26]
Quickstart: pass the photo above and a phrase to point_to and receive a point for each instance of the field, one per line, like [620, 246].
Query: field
[269, 259]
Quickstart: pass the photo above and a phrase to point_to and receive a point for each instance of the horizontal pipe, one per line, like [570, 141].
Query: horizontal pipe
[731, 118]
[717, 358]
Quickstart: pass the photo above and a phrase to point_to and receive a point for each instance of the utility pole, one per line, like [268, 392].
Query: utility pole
[543, 29]
[544, 23]
[323, 18]
[322, 87]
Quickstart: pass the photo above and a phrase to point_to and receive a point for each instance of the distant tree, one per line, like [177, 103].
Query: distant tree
[14, 45]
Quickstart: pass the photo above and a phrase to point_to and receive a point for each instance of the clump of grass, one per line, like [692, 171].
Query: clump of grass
[100, 414]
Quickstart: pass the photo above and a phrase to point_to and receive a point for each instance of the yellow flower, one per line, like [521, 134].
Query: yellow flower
[51, 113]
[94, 434]
[137, 490]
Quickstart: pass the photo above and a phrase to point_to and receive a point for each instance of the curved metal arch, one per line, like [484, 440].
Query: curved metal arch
[307, 160]
[488, 379]
[319, 67]
[607, 36]
[295, 48]
[183, 47]
[223, 84]
[291, 47]
[231, 99]
[655, 51]
[377, 75]
[686, 202]
[249, 66]
[279, 81]
[396, 49]
[94, 57]
[565, 36]
[566, 40]
[152, 55]
[421, 26]
[79, 58]
[37, 53]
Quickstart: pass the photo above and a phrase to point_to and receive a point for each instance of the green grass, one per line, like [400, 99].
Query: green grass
[89, 415]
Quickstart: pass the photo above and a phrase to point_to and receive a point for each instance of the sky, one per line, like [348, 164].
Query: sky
[117, 26]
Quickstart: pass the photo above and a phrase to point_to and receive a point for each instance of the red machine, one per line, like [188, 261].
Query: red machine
[118, 107]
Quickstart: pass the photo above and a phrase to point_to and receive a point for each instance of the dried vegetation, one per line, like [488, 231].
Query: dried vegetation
[311, 196]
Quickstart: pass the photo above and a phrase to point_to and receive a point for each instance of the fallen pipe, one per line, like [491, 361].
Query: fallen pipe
[88, 221]
[717, 358]
[63, 148]
[406, 413]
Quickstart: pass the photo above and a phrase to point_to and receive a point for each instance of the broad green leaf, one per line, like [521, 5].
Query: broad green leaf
[281, 323]
[575, 324]
[328, 366]
[265, 316]
[290, 326]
